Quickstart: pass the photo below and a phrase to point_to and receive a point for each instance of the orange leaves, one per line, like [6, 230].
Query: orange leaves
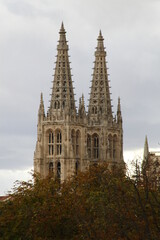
[96, 204]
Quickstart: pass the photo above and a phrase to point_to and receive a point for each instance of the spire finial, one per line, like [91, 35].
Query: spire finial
[100, 37]
[62, 30]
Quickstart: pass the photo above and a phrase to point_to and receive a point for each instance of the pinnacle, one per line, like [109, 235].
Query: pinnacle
[119, 107]
[62, 30]
[41, 98]
[146, 140]
[100, 37]
[119, 104]
[146, 150]
[41, 106]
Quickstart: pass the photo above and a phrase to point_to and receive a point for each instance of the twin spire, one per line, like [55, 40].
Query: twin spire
[100, 102]
[62, 97]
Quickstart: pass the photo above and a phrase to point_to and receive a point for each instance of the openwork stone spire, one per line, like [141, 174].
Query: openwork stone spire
[100, 102]
[62, 97]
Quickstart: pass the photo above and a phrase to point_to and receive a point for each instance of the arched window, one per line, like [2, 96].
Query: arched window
[114, 146]
[94, 110]
[73, 140]
[78, 143]
[59, 143]
[59, 170]
[50, 167]
[77, 166]
[95, 146]
[110, 146]
[57, 105]
[89, 145]
[63, 104]
[50, 143]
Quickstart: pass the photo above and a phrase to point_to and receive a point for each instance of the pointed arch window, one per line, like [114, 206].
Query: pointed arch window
[114, 146]
[95, 146]
[59, 143]
[73, 140]
[50, 143]
[94, 110]
[78, 143]
[51, 168]
[110, 146]
[77, 167]
[63, 104]
[57, 104]
[89, 145]
[59, 171]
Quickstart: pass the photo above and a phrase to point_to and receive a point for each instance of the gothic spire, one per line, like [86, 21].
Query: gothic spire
[62, 92]
[100, 102]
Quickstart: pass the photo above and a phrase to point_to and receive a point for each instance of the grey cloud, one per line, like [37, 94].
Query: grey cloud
[16, 151]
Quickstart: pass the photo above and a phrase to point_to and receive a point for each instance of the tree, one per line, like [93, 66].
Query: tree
[96, 204]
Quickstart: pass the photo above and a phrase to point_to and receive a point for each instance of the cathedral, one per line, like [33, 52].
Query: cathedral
[68, 140]
[151, 166]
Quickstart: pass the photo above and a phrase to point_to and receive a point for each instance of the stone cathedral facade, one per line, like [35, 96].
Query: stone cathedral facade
[68, 140]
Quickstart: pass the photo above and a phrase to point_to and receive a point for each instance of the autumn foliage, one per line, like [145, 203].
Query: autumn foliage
[96, 204]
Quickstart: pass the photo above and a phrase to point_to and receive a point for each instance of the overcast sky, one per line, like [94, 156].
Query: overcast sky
[28, 41]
